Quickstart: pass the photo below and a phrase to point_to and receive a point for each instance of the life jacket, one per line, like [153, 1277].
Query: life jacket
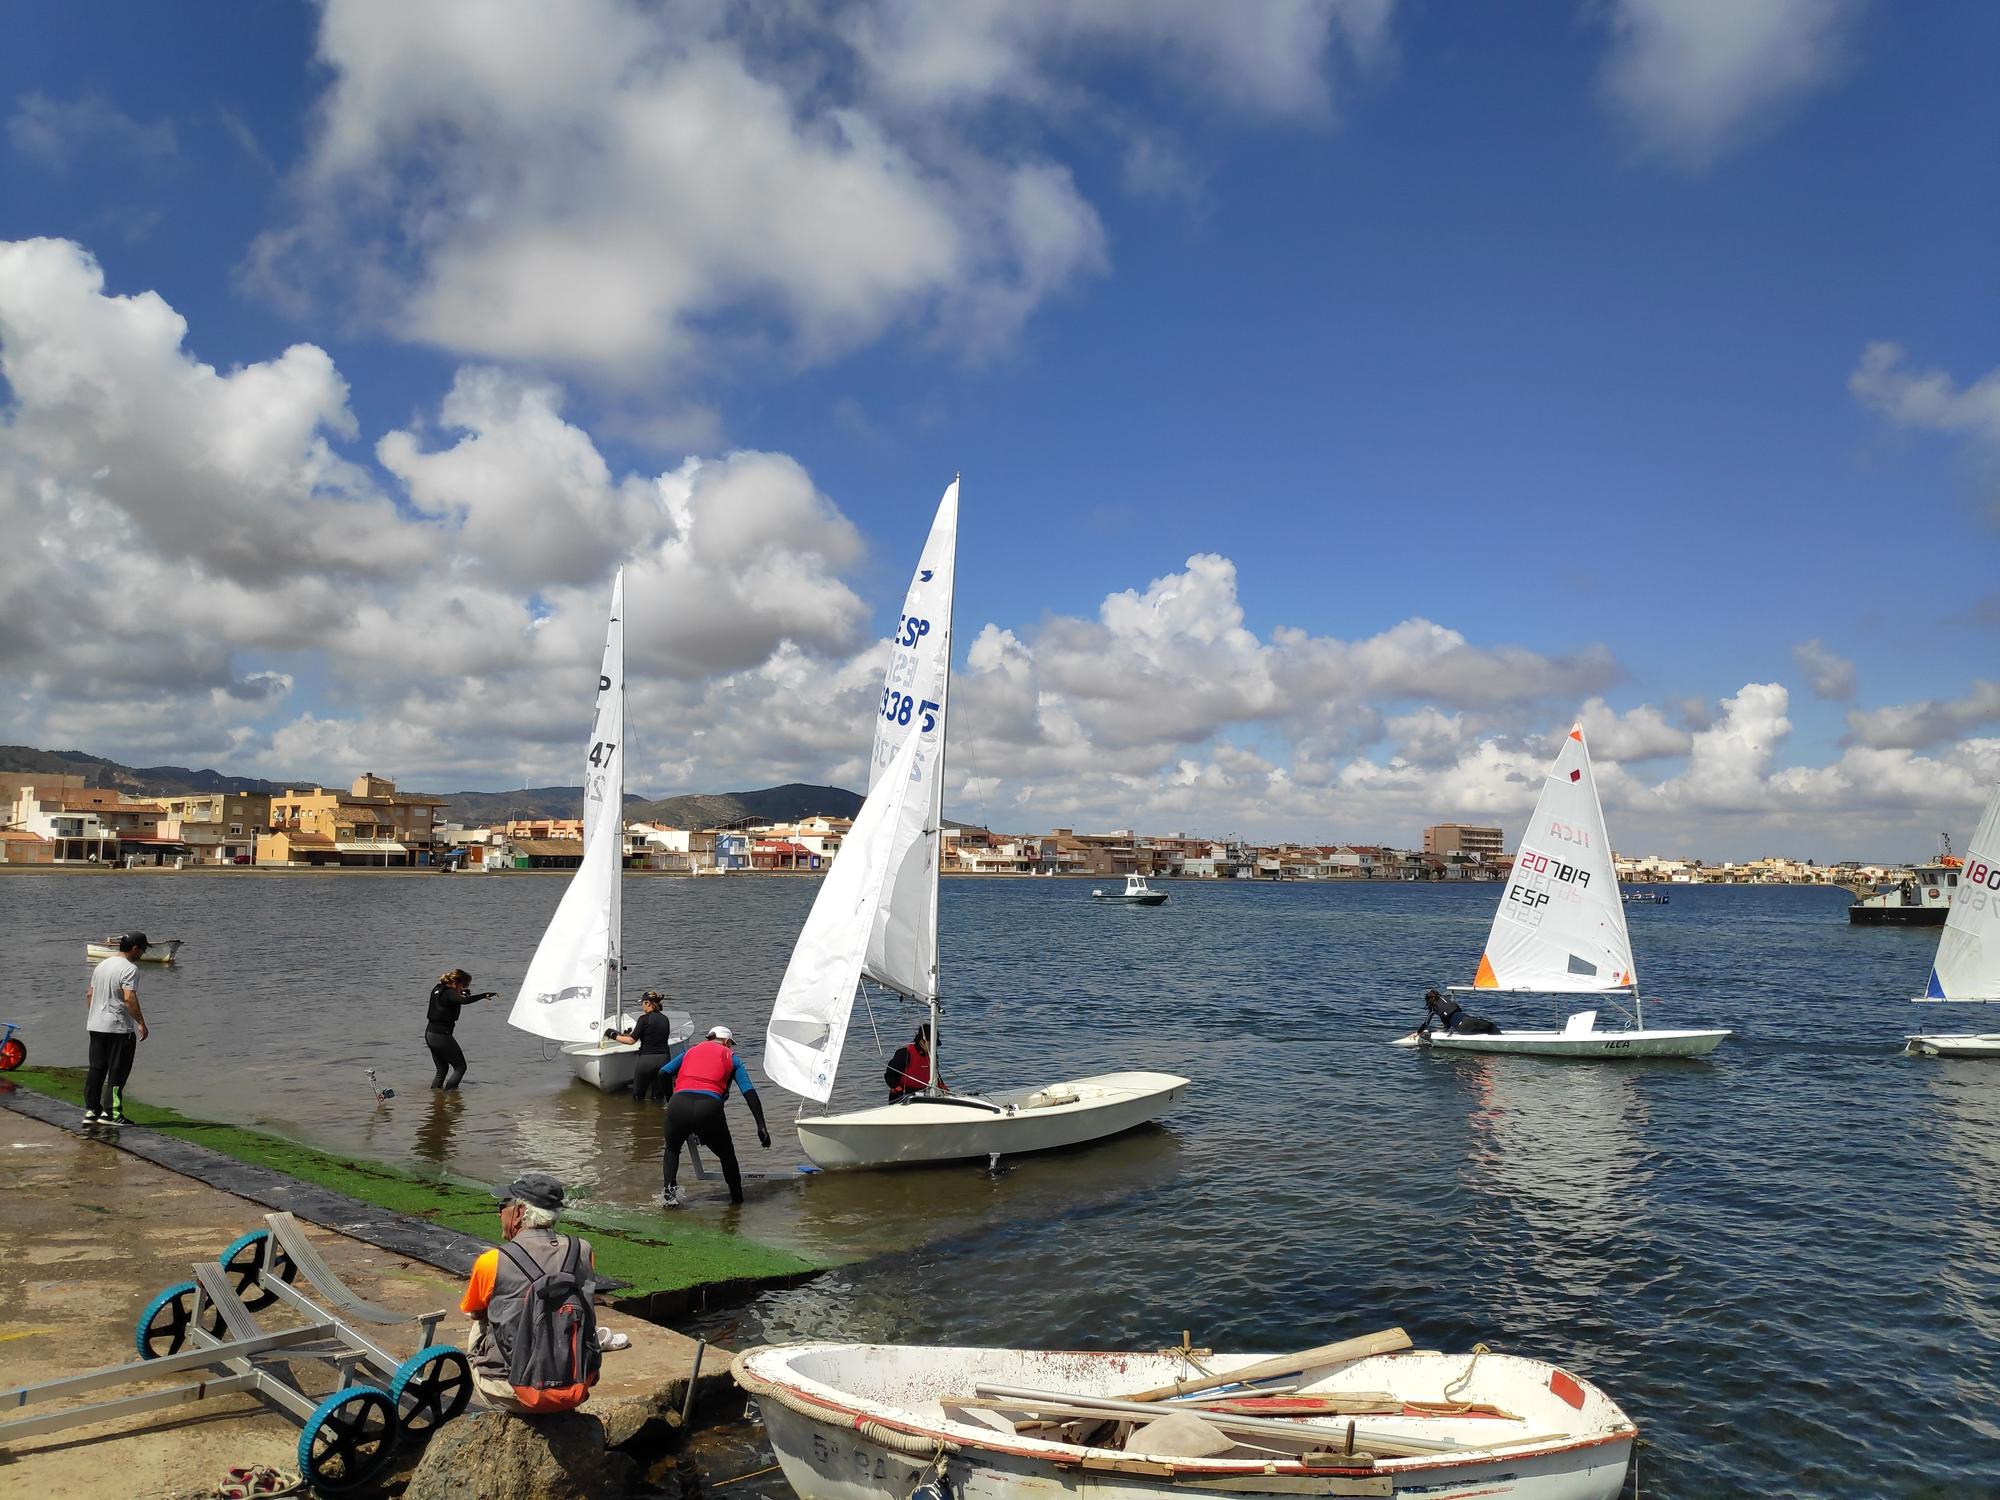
[707, 1066]
[542, 1329]
[915, 1070]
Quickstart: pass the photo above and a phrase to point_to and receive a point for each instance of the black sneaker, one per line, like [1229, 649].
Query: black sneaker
[91, 1117]
[116, 1117]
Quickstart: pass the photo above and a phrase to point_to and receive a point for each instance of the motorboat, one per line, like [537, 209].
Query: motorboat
[1559, 931]
[156, 953]
[1966, 970]
[884, 1422]
[1136, 893]
[1644, 898]
[1921, 900]
[875, 921]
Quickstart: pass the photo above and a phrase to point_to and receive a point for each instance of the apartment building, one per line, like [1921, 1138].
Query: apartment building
[369, 825]
[1464, 838]
[217, 828]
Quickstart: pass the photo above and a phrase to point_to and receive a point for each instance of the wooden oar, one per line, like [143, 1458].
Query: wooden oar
[1388, 1341]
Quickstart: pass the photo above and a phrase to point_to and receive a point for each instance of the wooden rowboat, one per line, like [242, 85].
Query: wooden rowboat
[156, 953]
[1367, 1416]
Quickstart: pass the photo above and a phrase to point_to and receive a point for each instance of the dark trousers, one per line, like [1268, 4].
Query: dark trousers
[700, 1116]
[111, 1054]
[445, 1052]
[647, 1082]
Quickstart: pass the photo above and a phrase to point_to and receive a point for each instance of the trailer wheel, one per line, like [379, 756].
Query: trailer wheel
[348, 1440]
[431, 1387]
[163, 1326]
[252, 1257]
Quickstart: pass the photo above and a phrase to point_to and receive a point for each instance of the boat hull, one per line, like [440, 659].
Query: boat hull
[1588, 1045]
[834, 1443]
[608, 1067]
[158, 953]
[1897, 916]
[1151, 898]
[949, 1128]
[1981, 1045]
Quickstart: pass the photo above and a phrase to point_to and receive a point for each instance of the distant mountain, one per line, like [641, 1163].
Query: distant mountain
[776, 804]
[145, 781]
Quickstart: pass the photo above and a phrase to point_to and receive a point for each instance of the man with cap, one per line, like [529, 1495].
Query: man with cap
[116, 1026]
[701, 1077]
[529, 1208]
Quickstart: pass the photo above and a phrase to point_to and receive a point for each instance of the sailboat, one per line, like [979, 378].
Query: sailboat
[1967, 968]
[875, 919]
[571, 993]
[1560, 930]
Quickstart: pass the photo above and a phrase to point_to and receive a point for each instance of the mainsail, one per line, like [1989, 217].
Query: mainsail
[1561, 925]
[1968, 956]
[572, 981]
[902, 948]
[809, 1018]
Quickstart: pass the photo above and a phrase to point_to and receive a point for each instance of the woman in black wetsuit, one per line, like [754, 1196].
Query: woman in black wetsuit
[448, 997]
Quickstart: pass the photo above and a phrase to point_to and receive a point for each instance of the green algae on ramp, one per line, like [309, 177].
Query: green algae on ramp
[653, 1256]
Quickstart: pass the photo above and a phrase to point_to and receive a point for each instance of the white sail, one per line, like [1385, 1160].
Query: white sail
[572, 981]
[902, 950]
[808, 1026]
[1561, 925]
[1968, 955]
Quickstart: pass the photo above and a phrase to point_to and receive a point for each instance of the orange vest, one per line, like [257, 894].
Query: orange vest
[916, 1070]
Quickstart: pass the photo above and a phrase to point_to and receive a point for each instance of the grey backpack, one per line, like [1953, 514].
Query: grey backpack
[552, 1357]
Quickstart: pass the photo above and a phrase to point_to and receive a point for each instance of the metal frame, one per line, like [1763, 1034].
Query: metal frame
[244, 1356]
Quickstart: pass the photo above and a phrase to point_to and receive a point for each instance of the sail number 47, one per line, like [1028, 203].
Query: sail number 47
[600, 753]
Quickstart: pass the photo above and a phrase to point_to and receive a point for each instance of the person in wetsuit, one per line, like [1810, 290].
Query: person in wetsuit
[448, 997]
[1451, 1018]
[655, 1035]
[910, 1070]
[702, 1076]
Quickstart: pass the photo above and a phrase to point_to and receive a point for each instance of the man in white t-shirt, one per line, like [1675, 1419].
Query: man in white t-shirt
[116, 1027]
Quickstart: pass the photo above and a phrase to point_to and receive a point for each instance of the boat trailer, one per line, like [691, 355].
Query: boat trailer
[209, 1325]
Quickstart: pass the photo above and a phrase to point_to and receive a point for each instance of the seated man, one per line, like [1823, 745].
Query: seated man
[548, 1362]
[1446, 1013]
[910, 1070]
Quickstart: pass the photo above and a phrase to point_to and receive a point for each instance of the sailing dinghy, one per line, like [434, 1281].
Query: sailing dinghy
[1560, 930]
[1368, 1416]
[876, 919]
[1967, 968]
[572, 991]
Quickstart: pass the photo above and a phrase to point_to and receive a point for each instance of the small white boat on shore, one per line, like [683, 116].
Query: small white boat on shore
[874, 1422]
[156, 953]
[1136, 893]
[1967, 968]
[611, 1066]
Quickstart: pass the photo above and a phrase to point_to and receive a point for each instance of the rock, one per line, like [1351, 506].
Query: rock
[639, 1425]
[496, 1456]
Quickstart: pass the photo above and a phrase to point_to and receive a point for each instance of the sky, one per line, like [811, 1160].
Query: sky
[1349, 396]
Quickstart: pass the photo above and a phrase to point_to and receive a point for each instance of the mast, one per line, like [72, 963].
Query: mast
[937, 831]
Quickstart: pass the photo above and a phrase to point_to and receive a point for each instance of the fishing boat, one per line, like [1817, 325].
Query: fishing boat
[1645, 898]
[1923, 899]
[875, 921]
[156, 953]
[1967, 968]
[1560, 930]
[1136, 893]
[572, 992]
[1366, 1417]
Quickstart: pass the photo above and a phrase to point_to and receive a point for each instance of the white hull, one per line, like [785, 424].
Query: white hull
[862, 1422]
[1987, 1045]
[608, 1067]
[1588, 1044]
[954, 1129]
[157, 953]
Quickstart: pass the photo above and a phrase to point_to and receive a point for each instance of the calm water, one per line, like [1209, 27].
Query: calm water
[1781, 1261]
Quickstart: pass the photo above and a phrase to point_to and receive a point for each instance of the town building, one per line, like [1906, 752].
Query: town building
[369, 825]
[217, 828]
[1464, 838]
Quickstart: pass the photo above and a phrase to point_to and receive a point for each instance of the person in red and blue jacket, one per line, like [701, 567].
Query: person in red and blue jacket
[701, 1078]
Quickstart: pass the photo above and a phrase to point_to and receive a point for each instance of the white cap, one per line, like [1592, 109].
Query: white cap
[721, 1034]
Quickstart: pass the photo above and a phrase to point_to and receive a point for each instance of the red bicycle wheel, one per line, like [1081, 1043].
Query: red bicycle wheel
[13, 1052]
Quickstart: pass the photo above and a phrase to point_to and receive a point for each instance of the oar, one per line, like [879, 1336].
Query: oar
[1388, 1341]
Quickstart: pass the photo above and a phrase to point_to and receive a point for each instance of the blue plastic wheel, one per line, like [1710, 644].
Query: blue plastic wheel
[163, 1326]
[431, 1387]
[249, 1259]
[348, 1440]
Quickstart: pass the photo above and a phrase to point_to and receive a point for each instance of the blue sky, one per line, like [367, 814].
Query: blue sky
[1348, 396]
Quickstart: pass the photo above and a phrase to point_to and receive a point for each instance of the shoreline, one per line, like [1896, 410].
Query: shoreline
[663, 1270]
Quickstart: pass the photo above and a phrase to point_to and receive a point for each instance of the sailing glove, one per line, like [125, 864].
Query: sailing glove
[757, 1112]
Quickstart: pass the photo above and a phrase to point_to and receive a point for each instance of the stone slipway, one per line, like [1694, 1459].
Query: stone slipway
[92, 1232]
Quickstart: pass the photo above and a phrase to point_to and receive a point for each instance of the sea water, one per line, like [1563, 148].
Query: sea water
[1780, 1260]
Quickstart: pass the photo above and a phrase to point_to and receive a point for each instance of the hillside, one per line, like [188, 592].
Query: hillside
[773, 804]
